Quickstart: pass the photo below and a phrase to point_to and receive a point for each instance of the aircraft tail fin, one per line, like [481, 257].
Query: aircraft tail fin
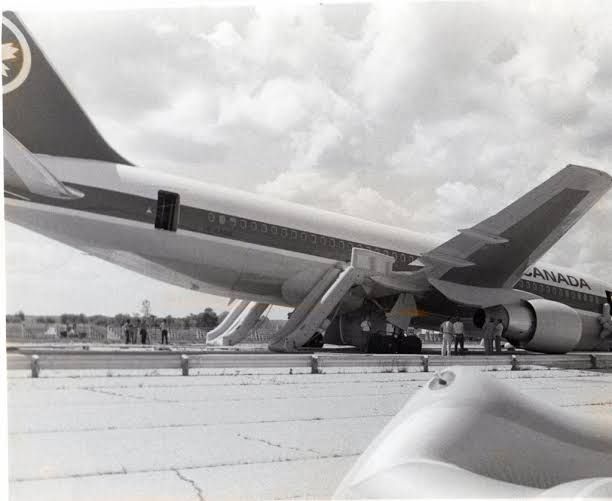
[39, 110]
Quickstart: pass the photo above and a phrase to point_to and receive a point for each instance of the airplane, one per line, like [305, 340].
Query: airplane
[63, 180]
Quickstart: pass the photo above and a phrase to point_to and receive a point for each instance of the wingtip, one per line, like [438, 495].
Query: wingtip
[591, 170]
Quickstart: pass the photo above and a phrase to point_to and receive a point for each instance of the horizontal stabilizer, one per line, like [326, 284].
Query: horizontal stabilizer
[31, 173]
[494, 253]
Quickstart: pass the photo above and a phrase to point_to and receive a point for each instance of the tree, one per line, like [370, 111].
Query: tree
[82, 319]
[68, 318]
[120, 318]
[145, 308]
[207, 319]
[20, 315]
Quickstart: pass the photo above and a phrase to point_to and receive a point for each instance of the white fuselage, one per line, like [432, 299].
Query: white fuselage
[115, 221]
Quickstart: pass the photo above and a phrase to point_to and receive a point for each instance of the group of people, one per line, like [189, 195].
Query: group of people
[139, 327]
[452, 330]
[492, 332]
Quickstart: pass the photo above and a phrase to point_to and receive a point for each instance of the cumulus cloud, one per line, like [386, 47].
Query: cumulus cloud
[429, 116]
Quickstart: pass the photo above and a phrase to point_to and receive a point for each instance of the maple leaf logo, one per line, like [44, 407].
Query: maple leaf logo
[8, 53]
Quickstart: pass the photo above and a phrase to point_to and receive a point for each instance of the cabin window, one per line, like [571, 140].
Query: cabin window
[303, 236]
[168, 208]
[211, 217]
[341, 244]
[253, 225]
[274, 230]
[293, 235]
[221, 219]
[403, 258]
[243, 224]
[232, 222]
[332, 242]
[284, 232]
[322, 240]
[264, 228]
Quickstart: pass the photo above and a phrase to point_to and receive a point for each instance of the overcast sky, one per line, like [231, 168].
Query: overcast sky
[426, 116]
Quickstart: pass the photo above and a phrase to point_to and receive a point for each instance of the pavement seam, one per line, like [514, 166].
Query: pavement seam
[183, 468]
[199, 425]
[193, 483]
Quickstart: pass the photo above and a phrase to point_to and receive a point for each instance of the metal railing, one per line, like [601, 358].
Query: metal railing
[317, 362]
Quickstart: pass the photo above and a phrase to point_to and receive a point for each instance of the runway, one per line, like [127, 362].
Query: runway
[253, 436]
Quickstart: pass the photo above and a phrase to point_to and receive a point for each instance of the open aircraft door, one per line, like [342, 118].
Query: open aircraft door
[168, 210]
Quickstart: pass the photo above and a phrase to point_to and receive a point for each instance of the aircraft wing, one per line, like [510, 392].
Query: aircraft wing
[494, 253]
[23, 170]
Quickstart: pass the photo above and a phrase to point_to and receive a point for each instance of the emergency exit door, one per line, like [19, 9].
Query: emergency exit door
[168, 209]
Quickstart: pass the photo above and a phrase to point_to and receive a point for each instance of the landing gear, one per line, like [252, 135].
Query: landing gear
[315, 341]
[382, 343]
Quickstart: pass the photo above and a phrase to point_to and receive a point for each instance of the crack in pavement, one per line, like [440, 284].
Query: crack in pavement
[193, 483]
[198, 467]
[134, 397]
[277, 445]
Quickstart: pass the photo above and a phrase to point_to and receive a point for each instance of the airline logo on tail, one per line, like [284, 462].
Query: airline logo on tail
[16, 57]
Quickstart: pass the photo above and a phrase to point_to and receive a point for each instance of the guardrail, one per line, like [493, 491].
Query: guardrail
[317, 362]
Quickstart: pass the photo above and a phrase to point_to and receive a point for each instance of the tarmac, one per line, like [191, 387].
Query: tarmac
[140, 435]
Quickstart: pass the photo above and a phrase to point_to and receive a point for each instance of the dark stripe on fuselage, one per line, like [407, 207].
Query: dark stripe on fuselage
[142, 209]
[573, 298]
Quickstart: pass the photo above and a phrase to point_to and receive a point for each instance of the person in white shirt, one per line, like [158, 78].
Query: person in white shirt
[447, 337]
[458, 332]
[499, 330]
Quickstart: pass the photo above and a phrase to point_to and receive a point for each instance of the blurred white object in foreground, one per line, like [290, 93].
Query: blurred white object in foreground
[466, 435]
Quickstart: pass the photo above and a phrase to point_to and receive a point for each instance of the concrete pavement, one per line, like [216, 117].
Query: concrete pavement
[220, 436]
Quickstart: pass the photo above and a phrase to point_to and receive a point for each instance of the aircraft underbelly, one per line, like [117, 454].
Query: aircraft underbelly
[199, 262]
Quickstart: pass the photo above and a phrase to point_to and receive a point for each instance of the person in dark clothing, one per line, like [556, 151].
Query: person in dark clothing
[143, 333]
[459, 337]
[164, 332]
[127, 327]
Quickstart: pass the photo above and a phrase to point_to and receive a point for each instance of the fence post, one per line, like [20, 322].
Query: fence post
[185, 364]
[35, 366]
[314, 364]
[514, 363]
[425, 362]
[593, 360]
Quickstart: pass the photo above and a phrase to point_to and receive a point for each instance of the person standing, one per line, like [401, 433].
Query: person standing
[164, 332]
[447, 337]
[135, 331]
[126, 329]
[499, 330]
[487, 335]
[143, 332]
[458, 332]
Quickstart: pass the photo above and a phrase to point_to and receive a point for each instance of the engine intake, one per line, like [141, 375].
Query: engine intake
[536, 325]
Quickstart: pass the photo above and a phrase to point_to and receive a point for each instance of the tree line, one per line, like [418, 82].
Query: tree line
[207, 319]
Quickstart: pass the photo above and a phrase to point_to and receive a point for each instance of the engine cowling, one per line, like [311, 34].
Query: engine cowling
[537, 325]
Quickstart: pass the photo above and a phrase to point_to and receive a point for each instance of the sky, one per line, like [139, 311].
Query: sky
[426, 116]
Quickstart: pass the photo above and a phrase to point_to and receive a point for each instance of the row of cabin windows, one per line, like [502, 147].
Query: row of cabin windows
[551, 290]
[244, 224]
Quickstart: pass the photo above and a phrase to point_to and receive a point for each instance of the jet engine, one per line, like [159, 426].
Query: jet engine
[536, 325]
